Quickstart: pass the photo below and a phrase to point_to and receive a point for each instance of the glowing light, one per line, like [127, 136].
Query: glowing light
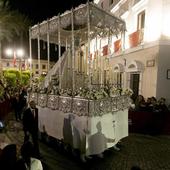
[29, 60]
[20, 52]
[9, 52]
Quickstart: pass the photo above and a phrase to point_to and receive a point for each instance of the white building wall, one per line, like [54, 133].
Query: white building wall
[163, 83]
[149, 59]
[153, 53]
[153, 22]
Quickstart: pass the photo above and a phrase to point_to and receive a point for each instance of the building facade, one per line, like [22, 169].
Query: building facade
[141, 57]
[8, 63]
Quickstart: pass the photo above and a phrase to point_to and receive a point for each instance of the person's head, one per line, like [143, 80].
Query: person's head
[148, 100]
[9, 156]
[32, 104]
[27, 150]
[162, 101]
[153, 100]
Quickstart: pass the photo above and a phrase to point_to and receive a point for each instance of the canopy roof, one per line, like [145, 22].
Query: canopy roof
[85, 21]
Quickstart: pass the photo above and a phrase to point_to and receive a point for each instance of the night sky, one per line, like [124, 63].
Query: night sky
[38, 11]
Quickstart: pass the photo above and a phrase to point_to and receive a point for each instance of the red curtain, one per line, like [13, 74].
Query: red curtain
[117, 45]
[134, 39]
[105, 50]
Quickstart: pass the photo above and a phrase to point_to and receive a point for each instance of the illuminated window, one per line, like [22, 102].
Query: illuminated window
[141, 20]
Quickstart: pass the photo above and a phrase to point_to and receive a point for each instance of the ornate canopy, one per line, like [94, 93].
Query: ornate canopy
[86, 22]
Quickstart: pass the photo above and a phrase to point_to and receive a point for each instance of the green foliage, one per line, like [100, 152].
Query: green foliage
[25, 79]
[10, 79]
[14, 71]
[12, 22]
[16, 78]
[27, 72]
[1, 91]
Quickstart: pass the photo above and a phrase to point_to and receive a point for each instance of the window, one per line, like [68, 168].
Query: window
[141, 20]
[43, 66]
[37, 72]
[117, 79]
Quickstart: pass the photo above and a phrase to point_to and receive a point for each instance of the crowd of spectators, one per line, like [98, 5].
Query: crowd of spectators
[151, 104]
[11, 160]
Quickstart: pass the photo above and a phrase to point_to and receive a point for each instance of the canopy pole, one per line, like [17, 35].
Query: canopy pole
[48, 47]
[109, 57]
[101, 80]
[73, 53]
[30, 54]
[39, 73]
[89, 59]
[59, 53]
[123, 49]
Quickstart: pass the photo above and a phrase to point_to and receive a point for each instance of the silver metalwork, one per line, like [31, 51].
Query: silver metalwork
[100, 22]
[53, 102]
[42, 100]
[34, 97]
[65, 104]
[81, 106]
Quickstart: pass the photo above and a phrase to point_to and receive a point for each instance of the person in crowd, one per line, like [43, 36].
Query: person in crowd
[154, 104]
[148, 104]
[140, 103]
[162, 105]
[17, 107]
[23, 98]
[27, 161]
[8, 157]
[30, 125]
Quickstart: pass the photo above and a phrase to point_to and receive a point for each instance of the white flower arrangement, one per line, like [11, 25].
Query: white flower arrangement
[127, 92]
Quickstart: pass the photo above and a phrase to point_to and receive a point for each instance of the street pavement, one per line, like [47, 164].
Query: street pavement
[147, 152]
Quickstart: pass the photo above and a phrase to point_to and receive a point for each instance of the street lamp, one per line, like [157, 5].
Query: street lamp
[15, 53]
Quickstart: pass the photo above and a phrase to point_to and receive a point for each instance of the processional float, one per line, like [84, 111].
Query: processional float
[76, 101]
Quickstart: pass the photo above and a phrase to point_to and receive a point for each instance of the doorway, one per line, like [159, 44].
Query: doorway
[134, 84]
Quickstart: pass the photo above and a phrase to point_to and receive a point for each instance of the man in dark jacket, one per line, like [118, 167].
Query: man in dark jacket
[30, 126]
